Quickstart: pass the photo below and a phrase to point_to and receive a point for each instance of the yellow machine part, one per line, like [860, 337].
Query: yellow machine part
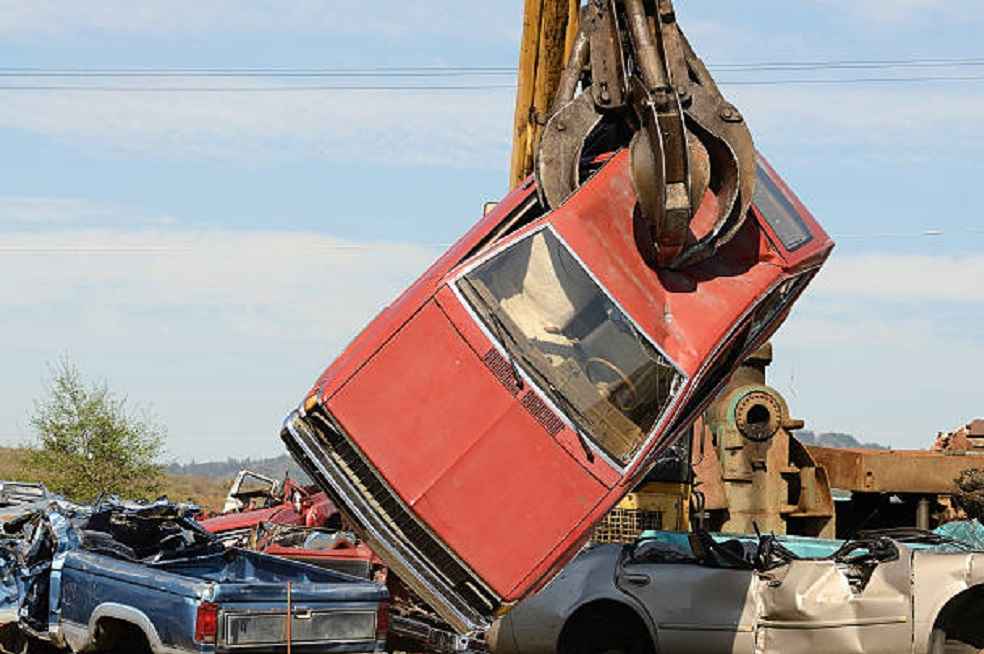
[669, 499]
[659, 506]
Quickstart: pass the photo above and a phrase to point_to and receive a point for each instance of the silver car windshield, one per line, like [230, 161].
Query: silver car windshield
[574, 341]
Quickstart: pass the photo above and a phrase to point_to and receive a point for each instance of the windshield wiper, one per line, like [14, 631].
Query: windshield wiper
[573, 413]
[500, 330]
[572, 409]
[568, 408]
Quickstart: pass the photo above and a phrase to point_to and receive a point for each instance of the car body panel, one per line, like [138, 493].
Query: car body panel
[802, 607]
[486, 462]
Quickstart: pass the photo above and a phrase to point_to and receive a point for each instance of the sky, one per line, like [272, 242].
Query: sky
[208, 253]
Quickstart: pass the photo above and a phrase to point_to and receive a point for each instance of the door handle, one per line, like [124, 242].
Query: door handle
[637, 580]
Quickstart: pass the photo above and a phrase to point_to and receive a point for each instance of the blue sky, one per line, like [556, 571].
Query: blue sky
[209, 253]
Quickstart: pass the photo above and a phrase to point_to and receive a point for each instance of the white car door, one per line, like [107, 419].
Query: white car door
[696, 608]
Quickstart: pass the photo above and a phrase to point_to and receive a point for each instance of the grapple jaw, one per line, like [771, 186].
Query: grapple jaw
[693, 159]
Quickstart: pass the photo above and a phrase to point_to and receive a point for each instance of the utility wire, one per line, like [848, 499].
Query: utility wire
[259, 89]
[190, 247]
[27, 74]
[454, 71]
[855, 81]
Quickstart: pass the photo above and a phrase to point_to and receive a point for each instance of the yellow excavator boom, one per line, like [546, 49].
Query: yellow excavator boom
[549, 30]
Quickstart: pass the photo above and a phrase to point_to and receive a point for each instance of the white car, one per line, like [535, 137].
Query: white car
[752, 596]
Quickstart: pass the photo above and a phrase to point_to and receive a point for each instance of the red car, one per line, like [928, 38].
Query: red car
[480, 426]
[254, 500]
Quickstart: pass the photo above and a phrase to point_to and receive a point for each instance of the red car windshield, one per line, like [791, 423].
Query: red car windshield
[570, 337]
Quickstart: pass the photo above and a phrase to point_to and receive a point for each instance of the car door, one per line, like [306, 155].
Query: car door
[831, 607]
[696, 608]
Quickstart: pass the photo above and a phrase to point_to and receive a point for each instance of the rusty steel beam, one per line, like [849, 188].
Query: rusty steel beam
[889, 471]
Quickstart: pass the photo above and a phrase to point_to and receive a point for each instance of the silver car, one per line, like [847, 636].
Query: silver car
[671, 594]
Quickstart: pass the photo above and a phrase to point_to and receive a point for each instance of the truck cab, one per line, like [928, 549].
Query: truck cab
[485, 421]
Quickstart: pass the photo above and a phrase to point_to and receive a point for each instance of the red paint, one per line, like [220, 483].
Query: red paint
[315, 511]
[512, 501]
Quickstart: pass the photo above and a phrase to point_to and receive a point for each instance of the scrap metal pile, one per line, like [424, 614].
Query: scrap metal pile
[132, 578]
[36, 537]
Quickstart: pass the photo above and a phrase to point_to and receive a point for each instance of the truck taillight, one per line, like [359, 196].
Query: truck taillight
[382, 620]
[207, 622]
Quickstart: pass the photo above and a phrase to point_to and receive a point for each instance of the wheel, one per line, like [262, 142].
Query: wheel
[601, 632]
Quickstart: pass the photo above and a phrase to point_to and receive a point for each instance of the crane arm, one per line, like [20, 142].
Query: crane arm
[621, 74]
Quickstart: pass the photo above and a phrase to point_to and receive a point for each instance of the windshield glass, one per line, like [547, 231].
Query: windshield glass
[571, 338]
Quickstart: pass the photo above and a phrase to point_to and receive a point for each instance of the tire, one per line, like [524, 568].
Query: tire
[117, 637]
[598, 632]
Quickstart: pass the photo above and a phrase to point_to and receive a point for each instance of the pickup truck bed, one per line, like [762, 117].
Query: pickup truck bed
[146, 578]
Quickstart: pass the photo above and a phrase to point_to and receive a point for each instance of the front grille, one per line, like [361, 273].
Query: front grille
[542, 413]
[624, 526]
[390, 509]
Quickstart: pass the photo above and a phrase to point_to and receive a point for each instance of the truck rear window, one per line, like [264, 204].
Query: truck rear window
[570, 337]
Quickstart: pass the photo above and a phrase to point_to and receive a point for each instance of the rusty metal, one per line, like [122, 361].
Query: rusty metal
[600, 23]
[685, 139]
[561, 147]
[571, 75]
[751, 470]
[892, 471]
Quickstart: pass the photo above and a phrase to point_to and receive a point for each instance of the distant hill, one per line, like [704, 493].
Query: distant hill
[274, 467]
[834, 440]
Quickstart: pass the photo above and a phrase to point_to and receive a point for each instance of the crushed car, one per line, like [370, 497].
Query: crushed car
[135, 578]
[334, 549]
[885, 593]
[255, 499]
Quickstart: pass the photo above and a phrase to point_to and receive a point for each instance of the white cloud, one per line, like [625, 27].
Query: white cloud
[221, 331]
[431, 128]
[42, 212]
[383, 18]
[906, 277]
[458, 128]
[870, 117]
[885, 346]
[894, 11]
[123, 274]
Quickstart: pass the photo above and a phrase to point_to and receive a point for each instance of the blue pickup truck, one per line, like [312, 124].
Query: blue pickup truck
[145, 578]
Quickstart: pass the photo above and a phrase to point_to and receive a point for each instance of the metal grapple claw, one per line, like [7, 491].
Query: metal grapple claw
[693, 159]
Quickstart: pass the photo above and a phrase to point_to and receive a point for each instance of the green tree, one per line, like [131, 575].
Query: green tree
[89, 442]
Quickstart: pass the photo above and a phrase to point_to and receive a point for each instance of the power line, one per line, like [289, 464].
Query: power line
[460, 87]
[453, 71]
[855, 80]
[259, 89]
[192, 247]
[852, 64]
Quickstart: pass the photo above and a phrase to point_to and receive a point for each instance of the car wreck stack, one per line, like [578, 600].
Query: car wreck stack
[141, 577]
